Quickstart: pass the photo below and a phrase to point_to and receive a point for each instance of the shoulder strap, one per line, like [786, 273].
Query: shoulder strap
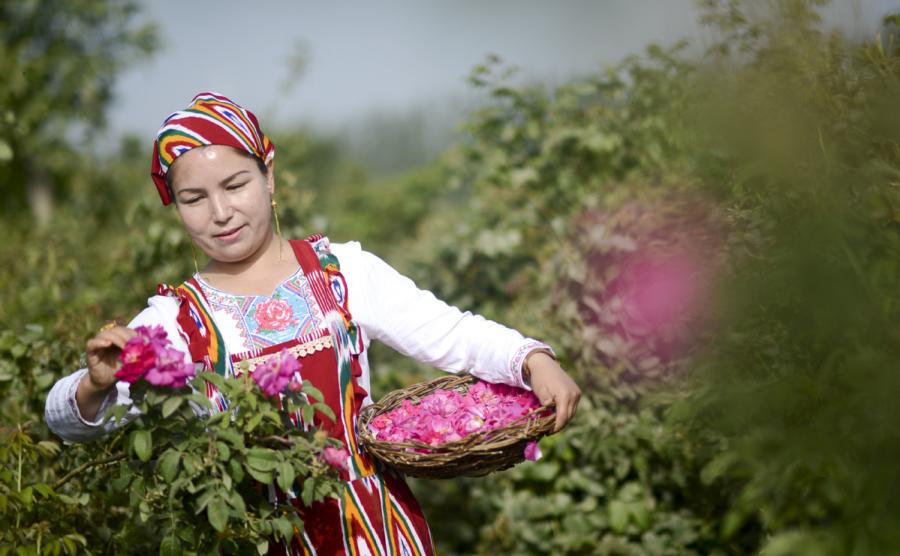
[198, 328]
[323, 270]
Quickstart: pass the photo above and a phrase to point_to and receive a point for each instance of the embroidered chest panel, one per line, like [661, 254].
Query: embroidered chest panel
[261, 321]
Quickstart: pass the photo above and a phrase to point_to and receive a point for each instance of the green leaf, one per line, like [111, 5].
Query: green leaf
[311, 390]
[253, 422]
[262, 547]
[224, 452]
[143, 444]
[235, 470]
[309, 491]
[215, 379]
[6, 152]
[285, 476]
[236, 501]
[167, 466]
[43, 490]
[618, 516]
[170, 546]
[307, 413]
[262, 459]
[264, 477]
[284, 528]
[171, 405]
[217, 513]
[232, 437]
[326, 410]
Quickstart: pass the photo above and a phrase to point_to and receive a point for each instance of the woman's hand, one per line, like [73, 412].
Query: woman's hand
[103, 361]
[551, 384]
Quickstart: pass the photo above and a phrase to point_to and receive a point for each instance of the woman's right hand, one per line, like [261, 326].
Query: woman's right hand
[103, 356]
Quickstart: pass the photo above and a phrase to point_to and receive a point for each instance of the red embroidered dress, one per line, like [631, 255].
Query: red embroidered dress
[377, 513]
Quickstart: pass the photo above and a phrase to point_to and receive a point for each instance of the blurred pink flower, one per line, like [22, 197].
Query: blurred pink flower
[336, 457]
[276, 373]
[532, 451]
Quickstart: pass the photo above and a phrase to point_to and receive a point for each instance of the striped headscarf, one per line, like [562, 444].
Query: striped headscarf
[210, 119]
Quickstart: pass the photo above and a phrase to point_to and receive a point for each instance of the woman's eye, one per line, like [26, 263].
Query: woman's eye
[236, 186]
[192, 200]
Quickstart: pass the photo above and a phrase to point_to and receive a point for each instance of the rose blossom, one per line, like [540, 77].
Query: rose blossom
[276, 373]
[274, 314]
[336, 457]
[150, 355]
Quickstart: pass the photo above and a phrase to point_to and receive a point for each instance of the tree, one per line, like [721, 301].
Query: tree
[59, 60]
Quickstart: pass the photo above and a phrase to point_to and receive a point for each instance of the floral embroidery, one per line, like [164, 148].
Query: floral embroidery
[518, 359]
[261, 321]
[274, 314]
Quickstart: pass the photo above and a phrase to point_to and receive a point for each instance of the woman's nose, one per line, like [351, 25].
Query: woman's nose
[222, 210]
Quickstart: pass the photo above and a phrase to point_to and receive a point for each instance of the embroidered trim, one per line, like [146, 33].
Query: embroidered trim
[299, 350]
[518, 358]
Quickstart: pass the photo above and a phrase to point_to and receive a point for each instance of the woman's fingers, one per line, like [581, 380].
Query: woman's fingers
[117, 336]
[566, 404]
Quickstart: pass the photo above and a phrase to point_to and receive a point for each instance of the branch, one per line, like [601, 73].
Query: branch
[65, 478]
[277, 440]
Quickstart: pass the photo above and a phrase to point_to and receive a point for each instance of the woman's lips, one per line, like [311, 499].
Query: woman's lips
[229, 235]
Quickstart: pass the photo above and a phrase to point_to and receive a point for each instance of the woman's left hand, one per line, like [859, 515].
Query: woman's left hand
[551, 384]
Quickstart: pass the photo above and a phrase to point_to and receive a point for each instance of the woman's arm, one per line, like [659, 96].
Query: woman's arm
[392, 309]
[77, 404]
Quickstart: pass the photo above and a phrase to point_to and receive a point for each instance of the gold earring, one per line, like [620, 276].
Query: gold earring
[194, 256]
[275, 214]
[277, 225]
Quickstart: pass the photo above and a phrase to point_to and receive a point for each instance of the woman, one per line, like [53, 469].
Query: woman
[260, 294]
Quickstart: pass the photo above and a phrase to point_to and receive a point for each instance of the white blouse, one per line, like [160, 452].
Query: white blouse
[386, 306]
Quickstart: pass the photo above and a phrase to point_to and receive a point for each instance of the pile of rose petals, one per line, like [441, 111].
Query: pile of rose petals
[447, 415]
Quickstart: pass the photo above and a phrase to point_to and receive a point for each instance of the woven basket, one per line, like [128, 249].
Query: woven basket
[476, 455]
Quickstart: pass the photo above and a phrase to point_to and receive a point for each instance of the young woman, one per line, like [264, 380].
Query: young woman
[323, 302]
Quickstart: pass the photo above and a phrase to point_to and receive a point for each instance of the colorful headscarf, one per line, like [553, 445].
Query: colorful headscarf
[210, 119]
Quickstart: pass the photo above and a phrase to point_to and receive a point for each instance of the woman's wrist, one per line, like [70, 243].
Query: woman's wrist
[90, 390]
[528, 364]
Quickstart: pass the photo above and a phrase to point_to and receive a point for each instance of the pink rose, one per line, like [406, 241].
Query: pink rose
[150, 356]
[274, 314]
[137, 357]
[276, 373]
[171, 370]
[532, 451]
[336, 457]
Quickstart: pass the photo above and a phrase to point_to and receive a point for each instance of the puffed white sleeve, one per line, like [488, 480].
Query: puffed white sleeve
[392, 309]
[61, 410]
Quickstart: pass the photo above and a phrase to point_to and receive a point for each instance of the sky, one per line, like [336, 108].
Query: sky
[391, 55]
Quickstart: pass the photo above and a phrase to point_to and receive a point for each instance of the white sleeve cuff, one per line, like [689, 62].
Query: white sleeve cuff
[517, 361]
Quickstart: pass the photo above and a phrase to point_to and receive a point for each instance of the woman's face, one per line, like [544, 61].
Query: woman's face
[224, 201]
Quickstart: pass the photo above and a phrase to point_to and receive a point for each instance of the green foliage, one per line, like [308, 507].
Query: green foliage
[790, 135]
[167, 468]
